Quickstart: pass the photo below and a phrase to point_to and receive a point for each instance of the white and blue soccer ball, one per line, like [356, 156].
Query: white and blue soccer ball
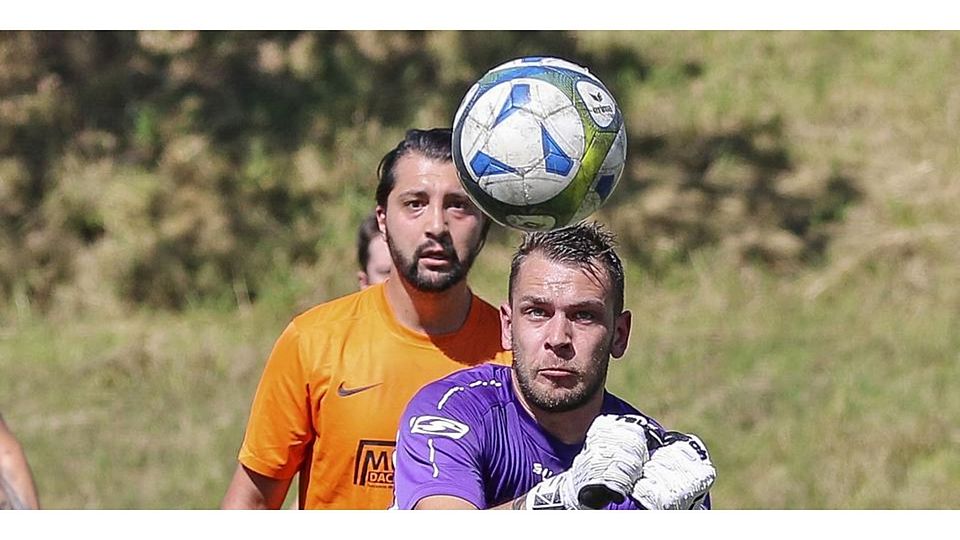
[539, 143]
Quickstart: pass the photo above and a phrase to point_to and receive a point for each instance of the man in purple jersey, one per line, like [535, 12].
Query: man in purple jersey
[545, 434]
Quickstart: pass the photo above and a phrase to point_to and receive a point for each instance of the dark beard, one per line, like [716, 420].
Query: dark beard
[409, 270]
[596, 379]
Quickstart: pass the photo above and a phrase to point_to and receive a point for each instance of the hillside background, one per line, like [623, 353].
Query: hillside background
[789, 215]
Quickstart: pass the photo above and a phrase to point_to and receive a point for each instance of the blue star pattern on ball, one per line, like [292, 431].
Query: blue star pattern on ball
[519, 96]
[605, 185]
[484, 165]
[556, 161]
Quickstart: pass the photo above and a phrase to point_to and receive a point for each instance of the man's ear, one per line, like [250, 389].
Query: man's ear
[621, 334]
[362, 280]
[382, 220]
[506, 339]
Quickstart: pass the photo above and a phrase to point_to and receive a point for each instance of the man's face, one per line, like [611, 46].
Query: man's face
[379, 263]
[562, 329]
[433, 229]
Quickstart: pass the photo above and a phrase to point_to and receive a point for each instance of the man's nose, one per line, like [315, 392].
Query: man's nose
[559, 337]
[437, 220]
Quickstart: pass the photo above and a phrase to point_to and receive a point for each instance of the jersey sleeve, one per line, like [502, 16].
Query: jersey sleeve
[439, 448]
[279, 429]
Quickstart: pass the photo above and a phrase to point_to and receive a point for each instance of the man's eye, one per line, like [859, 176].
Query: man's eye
[585, 316]
[463, 206]
[415, 204]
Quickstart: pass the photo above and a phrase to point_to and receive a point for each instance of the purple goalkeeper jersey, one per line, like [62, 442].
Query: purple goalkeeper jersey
[468, 436]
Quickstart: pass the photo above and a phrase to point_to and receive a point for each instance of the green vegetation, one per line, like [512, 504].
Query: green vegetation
[789, 214]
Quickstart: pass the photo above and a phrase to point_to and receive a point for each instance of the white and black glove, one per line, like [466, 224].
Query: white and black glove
[605, 470]
[677, 476]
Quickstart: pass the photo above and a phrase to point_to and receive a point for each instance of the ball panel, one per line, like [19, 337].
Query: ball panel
[467, 100]
[614, 162]
[566, 129]
[544, 62]
[531, 223]
[515, 141]
[599, 103]
[607, 177]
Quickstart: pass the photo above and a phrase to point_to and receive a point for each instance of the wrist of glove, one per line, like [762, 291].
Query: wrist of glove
[606, 470]
[677, 476]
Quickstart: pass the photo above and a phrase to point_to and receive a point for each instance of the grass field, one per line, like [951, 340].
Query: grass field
[848, 401]
[827, 384]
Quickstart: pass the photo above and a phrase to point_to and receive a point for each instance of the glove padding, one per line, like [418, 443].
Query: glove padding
[677, 476]
[605, 470]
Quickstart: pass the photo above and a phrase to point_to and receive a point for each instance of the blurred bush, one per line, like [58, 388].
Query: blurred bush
[164, 168]
[737, 188]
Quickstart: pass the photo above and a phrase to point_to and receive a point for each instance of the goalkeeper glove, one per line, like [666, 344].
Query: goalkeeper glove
[605, 470]
[677, 476]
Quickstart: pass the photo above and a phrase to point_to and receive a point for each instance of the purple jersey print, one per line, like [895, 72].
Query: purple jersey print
[468, 436]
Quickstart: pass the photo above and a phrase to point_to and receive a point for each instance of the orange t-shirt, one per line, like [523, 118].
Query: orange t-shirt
[334, 387]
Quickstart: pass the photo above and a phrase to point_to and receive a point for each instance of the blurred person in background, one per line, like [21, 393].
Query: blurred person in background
[17, 491]
[372, 253]
[340, 374]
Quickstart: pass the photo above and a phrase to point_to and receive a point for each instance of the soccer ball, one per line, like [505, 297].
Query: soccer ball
[539, 143]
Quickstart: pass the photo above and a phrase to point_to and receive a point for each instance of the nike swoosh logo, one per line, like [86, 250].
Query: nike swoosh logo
[344, 392]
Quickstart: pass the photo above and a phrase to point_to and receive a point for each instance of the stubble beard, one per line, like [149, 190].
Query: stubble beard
[409, 269]
[562, 400]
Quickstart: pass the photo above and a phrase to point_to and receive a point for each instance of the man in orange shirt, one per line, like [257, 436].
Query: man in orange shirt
[340, 374]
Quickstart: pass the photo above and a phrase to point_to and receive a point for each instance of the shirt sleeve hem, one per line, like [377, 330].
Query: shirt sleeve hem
[431, 490]
[266, 468]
